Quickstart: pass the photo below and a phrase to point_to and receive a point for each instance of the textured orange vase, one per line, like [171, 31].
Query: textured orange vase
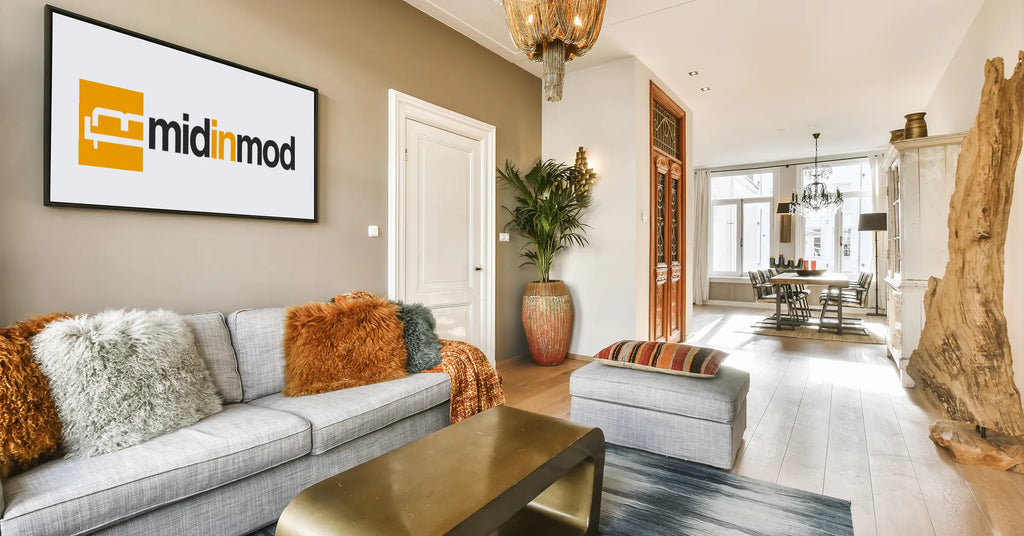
[547, 317]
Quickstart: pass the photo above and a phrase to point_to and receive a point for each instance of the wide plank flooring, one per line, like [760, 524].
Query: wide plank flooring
[829, 417]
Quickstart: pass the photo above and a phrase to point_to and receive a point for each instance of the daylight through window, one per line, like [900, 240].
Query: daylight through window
[834, 241]
[741, 221]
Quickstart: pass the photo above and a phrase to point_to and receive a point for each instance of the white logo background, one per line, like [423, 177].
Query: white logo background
[176, 82]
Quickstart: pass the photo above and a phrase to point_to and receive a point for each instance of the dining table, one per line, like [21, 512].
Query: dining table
[831, 280]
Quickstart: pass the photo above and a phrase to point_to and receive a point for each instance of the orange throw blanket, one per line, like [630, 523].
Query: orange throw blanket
[476, 385]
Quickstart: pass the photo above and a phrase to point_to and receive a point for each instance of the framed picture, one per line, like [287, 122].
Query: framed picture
[137, 123]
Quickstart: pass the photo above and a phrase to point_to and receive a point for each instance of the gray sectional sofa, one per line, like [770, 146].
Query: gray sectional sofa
[235, 471]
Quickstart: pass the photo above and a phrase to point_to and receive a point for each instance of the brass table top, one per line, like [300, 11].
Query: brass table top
[468, 478]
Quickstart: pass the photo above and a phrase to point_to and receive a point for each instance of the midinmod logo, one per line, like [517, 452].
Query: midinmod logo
[114, 134]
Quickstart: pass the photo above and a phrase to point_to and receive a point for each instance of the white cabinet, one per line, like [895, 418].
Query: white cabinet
[920, 175]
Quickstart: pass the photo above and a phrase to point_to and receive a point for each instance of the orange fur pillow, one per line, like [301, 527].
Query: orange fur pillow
[29, 425]
[346, 344]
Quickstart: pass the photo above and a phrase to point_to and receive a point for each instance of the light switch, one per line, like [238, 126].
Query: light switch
[372, 231]
[502, 237]
[643, 217]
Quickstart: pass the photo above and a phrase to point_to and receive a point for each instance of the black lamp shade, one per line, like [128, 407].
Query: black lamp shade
[783, 208]
[873, 221]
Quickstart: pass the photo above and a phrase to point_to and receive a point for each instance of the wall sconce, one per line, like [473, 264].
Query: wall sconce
[786, 223]
[589, 175]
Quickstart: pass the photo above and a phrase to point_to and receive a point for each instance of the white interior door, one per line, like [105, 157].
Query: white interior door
[443, 220]
[443, 224]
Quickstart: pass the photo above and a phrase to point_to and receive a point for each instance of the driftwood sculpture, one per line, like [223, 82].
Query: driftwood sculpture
[963, 362]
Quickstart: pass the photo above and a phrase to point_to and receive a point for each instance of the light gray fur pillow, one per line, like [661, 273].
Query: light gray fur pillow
[122, 377]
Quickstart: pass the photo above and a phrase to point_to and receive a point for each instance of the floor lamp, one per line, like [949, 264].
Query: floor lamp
[874, 221]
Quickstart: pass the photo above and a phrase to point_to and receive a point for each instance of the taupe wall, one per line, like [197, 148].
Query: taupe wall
[84, 260]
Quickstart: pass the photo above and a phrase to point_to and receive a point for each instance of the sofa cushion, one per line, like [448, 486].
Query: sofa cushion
[29, 424]
[331, 346]
[422, 345]
[258, 338]
[716, 399]
[78, 495]
[341, 416]
[213, 340]
[120, 378]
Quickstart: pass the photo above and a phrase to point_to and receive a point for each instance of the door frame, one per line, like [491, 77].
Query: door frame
[659, 96]
[400, 108]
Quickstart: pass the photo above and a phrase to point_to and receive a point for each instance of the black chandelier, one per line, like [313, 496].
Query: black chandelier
[816, 201]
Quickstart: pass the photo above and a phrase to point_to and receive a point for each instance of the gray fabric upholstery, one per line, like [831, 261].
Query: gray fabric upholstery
[246, 505]
[696, 419]
[687, 438]
[213, 340]
[341, 416]
[78, 495]
[258, 337]
[715, 399]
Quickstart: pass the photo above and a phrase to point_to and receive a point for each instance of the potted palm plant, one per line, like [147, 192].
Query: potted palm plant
[550, 201]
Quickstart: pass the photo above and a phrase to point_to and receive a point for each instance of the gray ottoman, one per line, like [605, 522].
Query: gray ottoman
[695, 419]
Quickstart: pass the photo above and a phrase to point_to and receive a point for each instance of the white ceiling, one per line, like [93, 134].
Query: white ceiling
[778, 69]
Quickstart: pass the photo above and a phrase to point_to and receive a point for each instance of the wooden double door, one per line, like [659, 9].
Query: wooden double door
[667, 241]
[668, 219]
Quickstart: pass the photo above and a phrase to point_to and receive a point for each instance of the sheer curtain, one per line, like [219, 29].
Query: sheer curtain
[702, 199]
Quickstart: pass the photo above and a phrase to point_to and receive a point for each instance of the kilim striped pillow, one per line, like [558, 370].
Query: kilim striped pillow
[671, 358]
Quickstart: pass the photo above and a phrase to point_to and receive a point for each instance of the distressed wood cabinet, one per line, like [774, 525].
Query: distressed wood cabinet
[920, 177]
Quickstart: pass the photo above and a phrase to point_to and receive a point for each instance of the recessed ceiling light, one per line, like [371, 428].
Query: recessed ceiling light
[705, 89]
[693, 73]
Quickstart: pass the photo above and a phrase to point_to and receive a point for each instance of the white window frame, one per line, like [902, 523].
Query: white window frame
[838, 224]
[739, 201]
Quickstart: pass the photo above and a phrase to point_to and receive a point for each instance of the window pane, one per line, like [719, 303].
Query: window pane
[819, 241]
[724, 235]
[756, 235]
[856, 252]
[740, 186]
[847, 177]
[853, 251]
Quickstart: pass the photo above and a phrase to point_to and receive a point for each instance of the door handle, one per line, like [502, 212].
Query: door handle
[479, 268]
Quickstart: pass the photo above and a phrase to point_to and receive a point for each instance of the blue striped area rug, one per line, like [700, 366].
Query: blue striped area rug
[652, 495]
[656, 495]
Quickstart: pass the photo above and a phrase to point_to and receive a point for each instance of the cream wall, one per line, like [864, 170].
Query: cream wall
[606, 110]
[596, 113]
[997, 30]
[84, 260]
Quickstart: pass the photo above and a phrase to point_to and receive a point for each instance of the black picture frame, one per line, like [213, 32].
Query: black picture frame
[50, 11]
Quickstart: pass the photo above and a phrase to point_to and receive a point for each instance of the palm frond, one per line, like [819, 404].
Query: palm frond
[550, 200]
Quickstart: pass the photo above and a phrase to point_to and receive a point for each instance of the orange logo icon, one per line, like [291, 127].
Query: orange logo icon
[111, 126]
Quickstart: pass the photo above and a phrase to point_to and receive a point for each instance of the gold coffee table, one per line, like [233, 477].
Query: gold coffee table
[502, 472]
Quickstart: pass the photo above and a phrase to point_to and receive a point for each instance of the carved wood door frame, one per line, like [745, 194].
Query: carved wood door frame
[667, 314]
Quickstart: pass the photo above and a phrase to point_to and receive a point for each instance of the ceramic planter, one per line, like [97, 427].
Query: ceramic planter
[547, 318]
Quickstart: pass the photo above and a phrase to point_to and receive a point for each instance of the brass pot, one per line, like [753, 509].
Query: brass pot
[915, 127]
[895, 135]
[547, 319]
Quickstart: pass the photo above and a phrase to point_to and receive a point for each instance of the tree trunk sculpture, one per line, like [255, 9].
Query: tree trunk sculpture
[963, 362]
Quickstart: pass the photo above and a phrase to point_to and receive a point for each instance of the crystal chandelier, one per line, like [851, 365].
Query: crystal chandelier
[815, 201]
[554, 32]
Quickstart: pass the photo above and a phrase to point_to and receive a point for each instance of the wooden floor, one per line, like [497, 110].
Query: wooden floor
[831, 418]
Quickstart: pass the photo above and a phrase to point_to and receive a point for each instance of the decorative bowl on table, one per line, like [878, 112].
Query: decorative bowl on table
[808, 273]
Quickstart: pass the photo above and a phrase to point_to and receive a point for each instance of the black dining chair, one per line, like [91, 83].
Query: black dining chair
[855, 295]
